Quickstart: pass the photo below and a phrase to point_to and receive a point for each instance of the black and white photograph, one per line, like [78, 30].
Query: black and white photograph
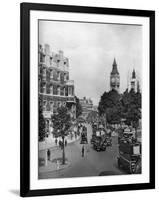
[89, 99]
[78, 100]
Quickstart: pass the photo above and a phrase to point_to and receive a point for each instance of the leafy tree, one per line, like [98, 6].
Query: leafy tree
[78, 107]
[92, 116]
[42, 126]
[115, 107]
[110, 106]
[61, 124]
[131, 103]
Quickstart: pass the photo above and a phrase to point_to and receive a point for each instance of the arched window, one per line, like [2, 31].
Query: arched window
[62, 91]
[39, 85]
[69, 91]
[44, 73]
[43, 87]
[58, 90]
[44, 105]
[51, 106]
[58, 76]
[51, 73]
[51, 89]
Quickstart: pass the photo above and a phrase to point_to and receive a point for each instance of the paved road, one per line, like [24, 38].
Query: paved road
[92, 164]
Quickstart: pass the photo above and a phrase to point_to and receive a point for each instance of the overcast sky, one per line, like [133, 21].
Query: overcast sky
[91, 49]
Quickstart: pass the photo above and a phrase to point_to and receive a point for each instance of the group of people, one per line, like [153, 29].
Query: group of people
[60, 143]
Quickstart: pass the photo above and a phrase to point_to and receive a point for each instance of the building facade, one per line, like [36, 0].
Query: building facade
[87, 106]
[115, 77]
[55, 88]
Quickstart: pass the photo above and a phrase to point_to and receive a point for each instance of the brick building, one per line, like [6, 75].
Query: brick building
[55, 87]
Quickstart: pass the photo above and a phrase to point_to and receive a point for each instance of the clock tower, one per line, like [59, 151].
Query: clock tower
[114, 77]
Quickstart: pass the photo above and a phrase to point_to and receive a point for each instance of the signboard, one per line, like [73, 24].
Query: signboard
[47, 114]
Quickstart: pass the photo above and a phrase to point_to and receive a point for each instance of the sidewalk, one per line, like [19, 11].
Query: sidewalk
[50, 142]
[53, 166]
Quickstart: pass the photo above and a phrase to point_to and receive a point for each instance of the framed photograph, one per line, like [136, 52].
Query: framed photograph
[87, 99]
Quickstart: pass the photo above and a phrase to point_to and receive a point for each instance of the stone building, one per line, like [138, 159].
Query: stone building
[115, 77]
[133, 82]
[55, 87]
[87, 106]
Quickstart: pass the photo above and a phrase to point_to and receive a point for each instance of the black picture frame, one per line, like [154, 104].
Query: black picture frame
[25, 9]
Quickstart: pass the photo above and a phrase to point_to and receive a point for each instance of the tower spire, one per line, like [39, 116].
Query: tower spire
[114, 62]
[114, 69]
[133, 74]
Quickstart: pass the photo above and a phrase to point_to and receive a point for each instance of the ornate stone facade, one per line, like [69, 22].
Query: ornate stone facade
[55, 88]
[115, 78]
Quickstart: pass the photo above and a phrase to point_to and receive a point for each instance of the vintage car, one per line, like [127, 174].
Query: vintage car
[108, 140]
[84, 139]
[100, 144]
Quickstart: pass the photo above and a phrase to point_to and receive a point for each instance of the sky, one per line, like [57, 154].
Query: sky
[91, 49]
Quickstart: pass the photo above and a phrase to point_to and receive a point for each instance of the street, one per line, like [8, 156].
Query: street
[92, 164]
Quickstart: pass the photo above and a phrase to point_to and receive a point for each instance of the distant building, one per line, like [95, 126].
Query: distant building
[87, 106]
[95, 108]
[133, 82]
[55, 88]
[115, 77]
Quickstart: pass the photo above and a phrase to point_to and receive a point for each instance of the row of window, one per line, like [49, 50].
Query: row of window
[52, 105]
[56, 90]
[53, 74]
[43, 59]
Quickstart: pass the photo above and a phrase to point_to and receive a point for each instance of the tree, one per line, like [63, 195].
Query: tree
[92, 116]
[110, 106]
[42, 126]
[131, 102]
[61, 124]
[78, 107]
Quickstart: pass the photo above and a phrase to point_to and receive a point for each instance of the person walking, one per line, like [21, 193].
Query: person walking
[65, 142]
[59, 143]
[83, 151]
[48, 154]
[56, 141]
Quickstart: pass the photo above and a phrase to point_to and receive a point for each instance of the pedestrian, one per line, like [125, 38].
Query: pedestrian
[65, 143]
[83, 151]
[48, 154]
[75, 135]
[60, 143]
[56, 141]
[71, 135]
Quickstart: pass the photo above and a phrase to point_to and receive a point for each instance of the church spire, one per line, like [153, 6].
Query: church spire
[114, 70]
[133, 74]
